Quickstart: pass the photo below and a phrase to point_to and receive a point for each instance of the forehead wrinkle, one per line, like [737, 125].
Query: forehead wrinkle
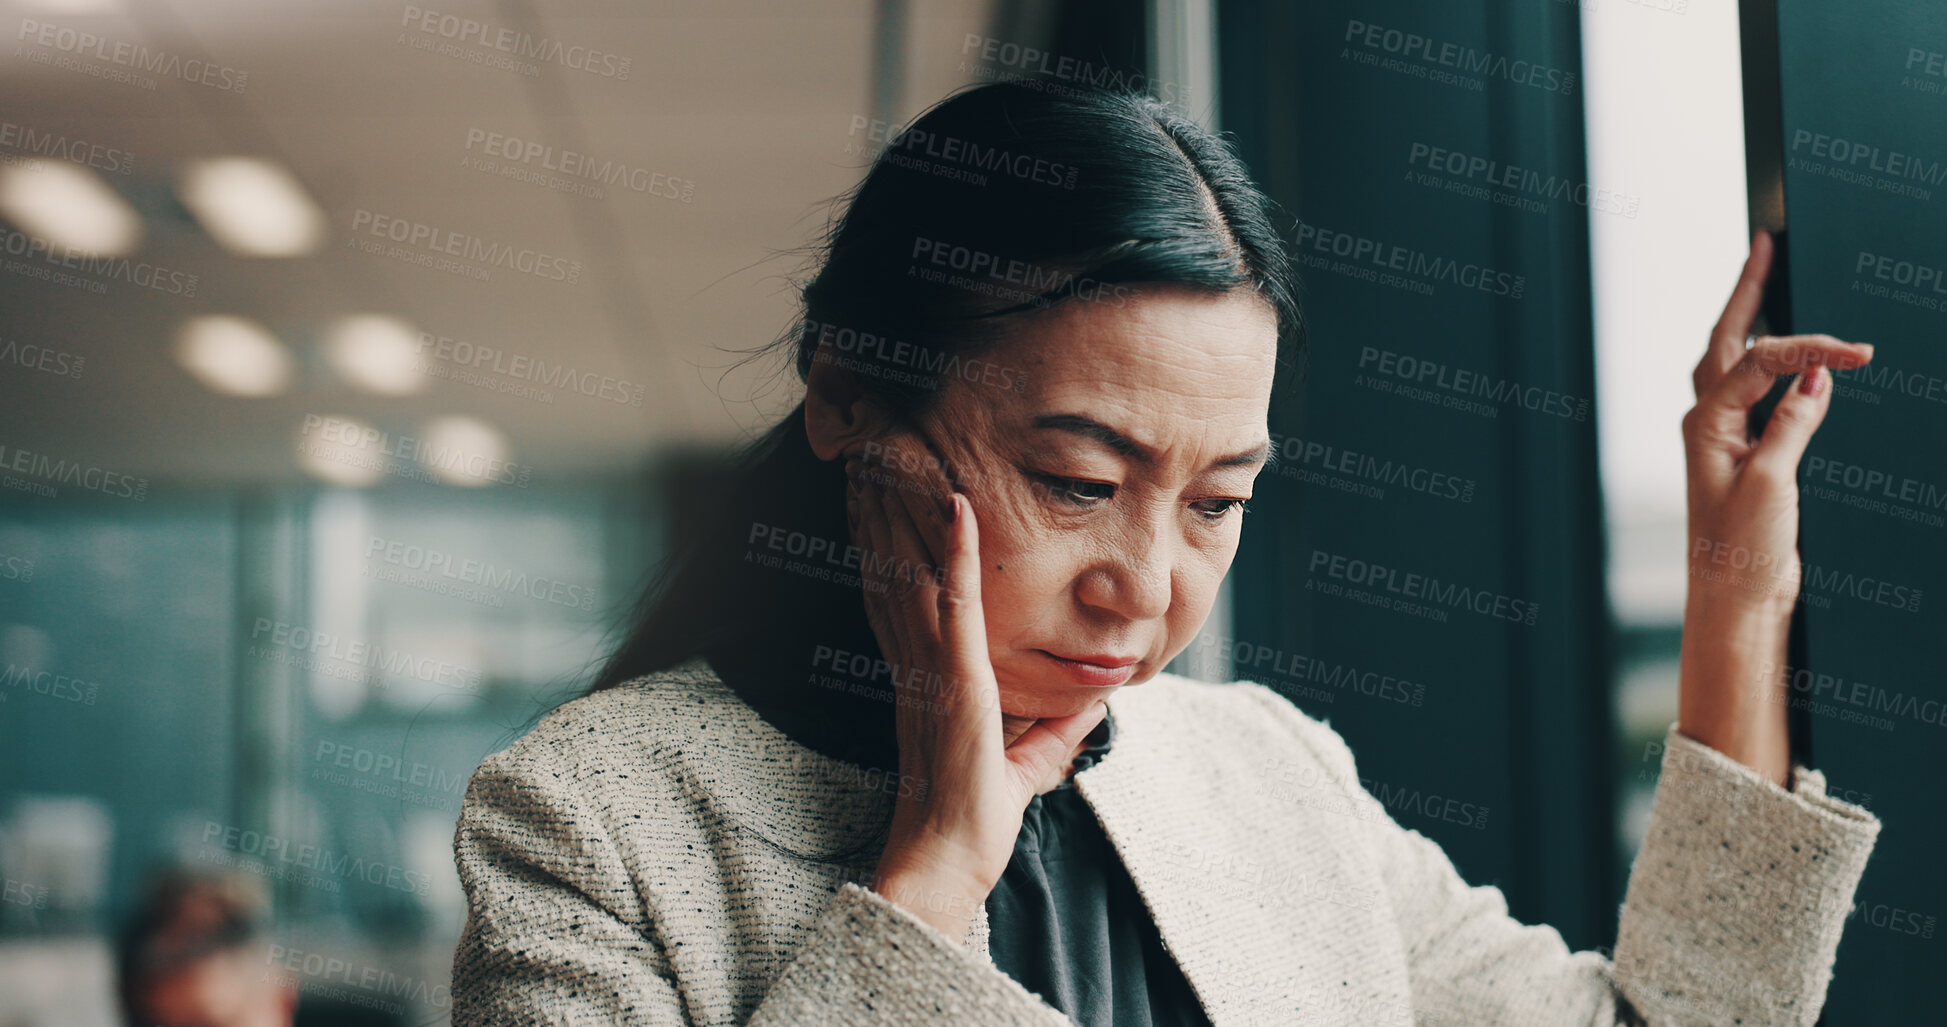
[1136, 369]
[1197, 435]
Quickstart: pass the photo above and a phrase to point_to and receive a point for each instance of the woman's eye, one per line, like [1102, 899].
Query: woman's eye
[1075, 491]
[1218, 509]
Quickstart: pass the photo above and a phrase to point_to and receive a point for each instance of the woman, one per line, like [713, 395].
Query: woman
[921, 765]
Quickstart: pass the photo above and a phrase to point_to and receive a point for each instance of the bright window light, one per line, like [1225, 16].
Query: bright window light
[1661, 279]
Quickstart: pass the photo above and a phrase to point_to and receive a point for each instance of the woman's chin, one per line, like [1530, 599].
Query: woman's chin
[1041, 704]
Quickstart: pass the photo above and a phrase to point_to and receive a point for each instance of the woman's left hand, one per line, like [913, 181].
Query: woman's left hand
[1743, 499]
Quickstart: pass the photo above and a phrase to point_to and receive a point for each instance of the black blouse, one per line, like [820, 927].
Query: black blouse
[1066, 920]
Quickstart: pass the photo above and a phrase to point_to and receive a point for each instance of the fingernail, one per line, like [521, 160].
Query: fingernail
[1812, 382]
[954, 516]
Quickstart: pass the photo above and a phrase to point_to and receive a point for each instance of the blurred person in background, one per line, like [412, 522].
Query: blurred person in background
[189, 957]
[194, 954]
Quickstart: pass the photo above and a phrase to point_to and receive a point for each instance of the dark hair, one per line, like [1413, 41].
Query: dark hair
[1037, 197]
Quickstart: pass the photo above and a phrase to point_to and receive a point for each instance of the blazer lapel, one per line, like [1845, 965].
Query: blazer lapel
[1258, 901]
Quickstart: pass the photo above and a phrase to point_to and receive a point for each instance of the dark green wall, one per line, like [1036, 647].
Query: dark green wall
[1864, 91]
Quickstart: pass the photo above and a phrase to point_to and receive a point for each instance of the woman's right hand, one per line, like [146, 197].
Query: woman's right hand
[953, 832]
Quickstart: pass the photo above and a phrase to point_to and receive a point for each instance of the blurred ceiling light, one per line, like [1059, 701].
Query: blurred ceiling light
[234, 355]
[252, 207]
[464, 451]
[376, 353]
[337, 449]
[68, 206]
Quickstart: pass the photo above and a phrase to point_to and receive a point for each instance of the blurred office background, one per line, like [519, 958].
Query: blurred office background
[309, 507]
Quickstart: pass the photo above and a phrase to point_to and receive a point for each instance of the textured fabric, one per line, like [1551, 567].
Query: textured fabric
[1066, 921]
[631, 861]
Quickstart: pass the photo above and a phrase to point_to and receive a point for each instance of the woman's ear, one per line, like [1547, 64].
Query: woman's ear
[839, 418]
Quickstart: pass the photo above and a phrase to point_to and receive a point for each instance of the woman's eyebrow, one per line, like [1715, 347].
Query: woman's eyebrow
[1090, 428]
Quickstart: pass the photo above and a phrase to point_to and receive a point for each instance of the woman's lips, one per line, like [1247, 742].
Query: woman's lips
[1094, 670]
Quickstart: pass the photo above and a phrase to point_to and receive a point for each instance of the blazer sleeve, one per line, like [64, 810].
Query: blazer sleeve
[558, 933]
[1733, 912]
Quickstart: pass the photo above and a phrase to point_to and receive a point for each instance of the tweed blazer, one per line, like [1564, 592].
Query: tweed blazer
[638, 858]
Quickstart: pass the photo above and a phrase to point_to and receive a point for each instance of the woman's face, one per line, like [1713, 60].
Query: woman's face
[1109, 488]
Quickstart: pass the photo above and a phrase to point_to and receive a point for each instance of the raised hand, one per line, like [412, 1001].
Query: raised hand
[920, 562]
[1743, 523]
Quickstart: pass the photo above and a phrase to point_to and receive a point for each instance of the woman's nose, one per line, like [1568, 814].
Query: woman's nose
[1135, 578]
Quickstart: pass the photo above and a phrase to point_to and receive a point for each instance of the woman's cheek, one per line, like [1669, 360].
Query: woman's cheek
[1009, 535]
[1018, 554]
